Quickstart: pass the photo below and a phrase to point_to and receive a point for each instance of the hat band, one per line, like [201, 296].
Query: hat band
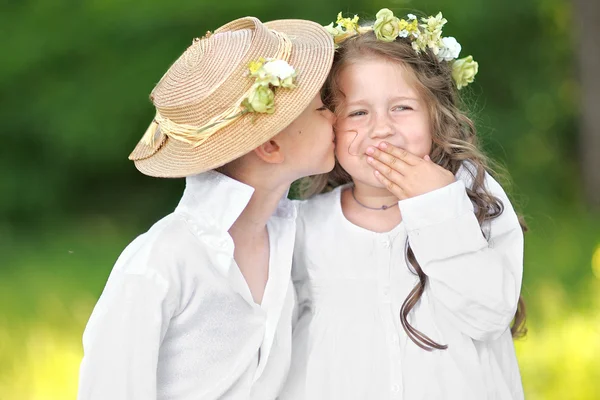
[196, 135]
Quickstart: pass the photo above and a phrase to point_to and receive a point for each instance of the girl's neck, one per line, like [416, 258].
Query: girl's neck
[364, 207]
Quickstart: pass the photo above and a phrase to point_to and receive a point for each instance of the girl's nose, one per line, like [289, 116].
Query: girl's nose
[382, 127]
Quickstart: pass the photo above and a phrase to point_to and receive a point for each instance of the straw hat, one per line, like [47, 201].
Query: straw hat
[208, 82]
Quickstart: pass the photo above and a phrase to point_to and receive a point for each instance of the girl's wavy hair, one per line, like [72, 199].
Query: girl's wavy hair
[454, 142]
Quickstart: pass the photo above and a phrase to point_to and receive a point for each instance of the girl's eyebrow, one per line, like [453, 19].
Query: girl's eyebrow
[356, 103]
[398, 98]
[362, 102]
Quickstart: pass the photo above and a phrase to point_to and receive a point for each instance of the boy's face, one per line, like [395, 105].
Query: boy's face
[308, 142]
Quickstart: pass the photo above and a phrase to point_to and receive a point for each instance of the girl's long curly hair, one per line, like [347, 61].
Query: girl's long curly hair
[454, 142]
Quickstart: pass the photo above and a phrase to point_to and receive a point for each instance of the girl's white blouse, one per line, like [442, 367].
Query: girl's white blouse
[348, 342]
[176, 320]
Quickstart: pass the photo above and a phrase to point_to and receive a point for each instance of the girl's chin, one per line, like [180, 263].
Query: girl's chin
[368, 179]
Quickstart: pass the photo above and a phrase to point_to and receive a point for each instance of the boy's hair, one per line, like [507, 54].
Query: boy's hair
[454, 143]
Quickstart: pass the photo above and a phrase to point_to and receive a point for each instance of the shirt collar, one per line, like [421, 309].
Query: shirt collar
[221, 199]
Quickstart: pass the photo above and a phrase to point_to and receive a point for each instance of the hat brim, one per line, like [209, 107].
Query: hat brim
[311, 56]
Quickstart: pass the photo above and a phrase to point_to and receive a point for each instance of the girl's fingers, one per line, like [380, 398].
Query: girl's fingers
[399, 153]
[391, 178]
[391, 186]
[387, 159]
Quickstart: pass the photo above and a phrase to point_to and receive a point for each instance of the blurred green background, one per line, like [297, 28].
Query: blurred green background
[74, 83]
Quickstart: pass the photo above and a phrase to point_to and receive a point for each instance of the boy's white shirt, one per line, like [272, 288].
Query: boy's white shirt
[177, 321]
[348, 341]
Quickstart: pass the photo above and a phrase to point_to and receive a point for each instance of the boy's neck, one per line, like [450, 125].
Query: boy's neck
[262, 205]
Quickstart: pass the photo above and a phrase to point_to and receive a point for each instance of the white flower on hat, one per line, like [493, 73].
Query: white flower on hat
[450, 50]
[279, 68]
[269, 74]
[272, 72]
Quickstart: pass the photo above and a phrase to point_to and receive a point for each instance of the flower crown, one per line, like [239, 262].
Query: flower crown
[427, 35]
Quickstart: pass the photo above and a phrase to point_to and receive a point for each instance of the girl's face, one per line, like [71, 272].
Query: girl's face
[309, 140]
[380, 104]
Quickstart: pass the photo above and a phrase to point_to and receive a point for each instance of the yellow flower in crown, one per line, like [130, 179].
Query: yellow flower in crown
[409, 29]
[387, 26]
[430, 34]
[464, 71]
[348, 24]
[434, 24]
[344, 28]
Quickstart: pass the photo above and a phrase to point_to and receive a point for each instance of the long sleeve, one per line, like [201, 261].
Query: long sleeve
[122, 339]
[475, 282]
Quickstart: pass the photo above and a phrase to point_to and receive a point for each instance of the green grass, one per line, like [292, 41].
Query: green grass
[52, 279]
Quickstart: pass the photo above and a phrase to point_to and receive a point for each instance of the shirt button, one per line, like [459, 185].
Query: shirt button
[396, 388]
[386, 292]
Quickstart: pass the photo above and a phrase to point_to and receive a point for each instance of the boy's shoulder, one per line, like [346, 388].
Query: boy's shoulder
[167, 245]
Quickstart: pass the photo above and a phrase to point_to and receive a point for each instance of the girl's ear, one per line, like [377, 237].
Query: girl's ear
[270, 152]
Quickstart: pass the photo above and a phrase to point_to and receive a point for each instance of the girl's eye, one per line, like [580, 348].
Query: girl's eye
[401, 108]
[322, 108]
[357, 113]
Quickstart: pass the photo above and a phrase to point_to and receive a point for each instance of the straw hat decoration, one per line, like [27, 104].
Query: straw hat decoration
[231, 91]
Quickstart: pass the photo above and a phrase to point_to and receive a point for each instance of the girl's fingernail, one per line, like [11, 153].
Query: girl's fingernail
[369, 159]
[370, 150]
[383, 145]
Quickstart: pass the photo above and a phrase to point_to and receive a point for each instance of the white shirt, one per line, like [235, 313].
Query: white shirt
[348, 342]
[177, 321]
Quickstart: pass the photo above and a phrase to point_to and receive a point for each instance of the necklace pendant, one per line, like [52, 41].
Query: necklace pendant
[384, 207]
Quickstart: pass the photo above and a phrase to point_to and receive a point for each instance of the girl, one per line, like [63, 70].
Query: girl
[199, 307]
[408, 272]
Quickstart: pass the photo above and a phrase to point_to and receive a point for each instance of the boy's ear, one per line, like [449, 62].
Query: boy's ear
[270, 152]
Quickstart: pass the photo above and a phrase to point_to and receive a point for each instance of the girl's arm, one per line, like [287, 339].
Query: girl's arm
[122, 339]
[474, 282]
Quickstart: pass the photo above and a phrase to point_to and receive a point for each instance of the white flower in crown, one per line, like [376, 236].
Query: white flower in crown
[450, 49]
[333, 30]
